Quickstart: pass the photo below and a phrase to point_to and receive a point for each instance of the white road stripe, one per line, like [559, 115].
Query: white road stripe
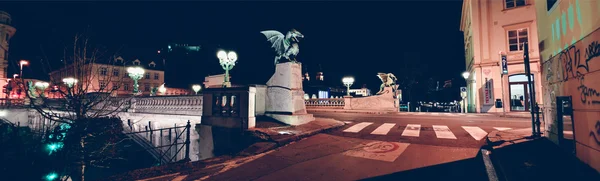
[502, 128]
[357, 127]
[348, 122]
[412, 130]
[475, 132]
[443, 132]
[383, 129]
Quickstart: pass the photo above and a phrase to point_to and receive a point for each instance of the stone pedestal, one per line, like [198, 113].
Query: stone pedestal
[285, 97]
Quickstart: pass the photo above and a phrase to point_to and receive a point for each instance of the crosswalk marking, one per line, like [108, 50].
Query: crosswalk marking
[443, 132]
[357, 127]
[383, 129]
[568, 132]
[502, 128]
[475, 132]
[412, 130]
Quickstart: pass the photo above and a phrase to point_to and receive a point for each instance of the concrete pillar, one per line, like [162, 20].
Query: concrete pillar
[205, 142]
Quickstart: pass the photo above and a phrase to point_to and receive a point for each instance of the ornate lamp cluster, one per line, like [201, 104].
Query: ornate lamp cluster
[227, 61]
[348, 81]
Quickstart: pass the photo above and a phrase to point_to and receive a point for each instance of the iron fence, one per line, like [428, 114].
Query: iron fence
[164, 144]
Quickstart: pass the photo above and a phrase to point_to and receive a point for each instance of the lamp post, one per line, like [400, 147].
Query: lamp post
[465, 101]
[196, 88]
[136, 74]
[227, 61]
[42, 86]
[162, 89]
[21, 63]
[70, 82]
[348, 81]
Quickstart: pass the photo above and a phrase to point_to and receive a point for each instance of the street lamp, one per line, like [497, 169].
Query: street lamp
[162, 89]
[348, 81]
[465, 101]
[15, 76]
[70, 81]
[21, 63]
[136, 74]
[42, 86]
[196, 88]
[227, 61]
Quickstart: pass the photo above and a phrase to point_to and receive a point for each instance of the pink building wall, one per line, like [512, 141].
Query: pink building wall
[485, 24]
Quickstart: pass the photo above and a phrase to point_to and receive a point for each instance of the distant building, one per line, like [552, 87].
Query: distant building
[114, 75]
[6, 33]
[361, 92]
[317, 87]
[492, 28]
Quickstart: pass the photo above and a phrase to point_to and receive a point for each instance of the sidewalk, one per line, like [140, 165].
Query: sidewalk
[269, 137]
[516, 156]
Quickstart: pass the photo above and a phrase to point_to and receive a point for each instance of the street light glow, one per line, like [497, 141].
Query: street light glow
[24, 62]
[227, 61]
[42, 85]
[51, 176]
[136, 74]
[70, 81]
[196, 88]
[466, 75]
[162, 89]
[348, 80]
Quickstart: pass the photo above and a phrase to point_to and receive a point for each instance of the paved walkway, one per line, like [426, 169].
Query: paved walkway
[508, 114]
[516, 156]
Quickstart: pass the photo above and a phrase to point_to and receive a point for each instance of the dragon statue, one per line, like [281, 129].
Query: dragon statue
[388, 80]
[286, 46]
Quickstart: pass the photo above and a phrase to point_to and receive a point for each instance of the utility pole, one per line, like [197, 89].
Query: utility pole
[504, 72]
[531, 87]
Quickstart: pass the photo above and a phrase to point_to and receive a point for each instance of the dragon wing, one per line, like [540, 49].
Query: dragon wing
[277, 39]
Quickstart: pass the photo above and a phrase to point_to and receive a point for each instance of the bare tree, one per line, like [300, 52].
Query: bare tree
[84, 90]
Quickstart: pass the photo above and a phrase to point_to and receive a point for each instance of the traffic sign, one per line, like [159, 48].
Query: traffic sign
[463, 89]
[504, 65]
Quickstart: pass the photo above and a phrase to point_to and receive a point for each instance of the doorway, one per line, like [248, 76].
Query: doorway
[519, 93]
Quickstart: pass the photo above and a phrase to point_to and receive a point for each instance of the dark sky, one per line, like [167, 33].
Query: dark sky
[344, 38]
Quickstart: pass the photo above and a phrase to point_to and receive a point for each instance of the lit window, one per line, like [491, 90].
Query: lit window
[155, 76]
[516, 38]
[514, 3]
[103, 71]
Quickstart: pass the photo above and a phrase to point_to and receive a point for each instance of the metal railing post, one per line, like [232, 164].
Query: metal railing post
[151, 135]
[187, 140]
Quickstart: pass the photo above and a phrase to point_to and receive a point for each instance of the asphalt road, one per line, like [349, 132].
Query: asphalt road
[469, 130]
[379, 147]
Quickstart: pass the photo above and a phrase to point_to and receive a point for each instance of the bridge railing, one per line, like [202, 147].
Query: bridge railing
[6, 103]
[334, 103]
[181, 105]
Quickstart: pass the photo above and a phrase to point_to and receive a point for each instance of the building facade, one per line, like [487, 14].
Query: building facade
[493, 28]
[361, 92]
[6, 33]
[317, 87]
[101, 77]
[569, 32]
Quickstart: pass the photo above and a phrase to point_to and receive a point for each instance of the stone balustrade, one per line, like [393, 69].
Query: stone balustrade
[334, 103]
[178, 105]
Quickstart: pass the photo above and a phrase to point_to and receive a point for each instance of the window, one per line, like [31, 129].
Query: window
[147, 75]
[155, 76]
[102, 84]
[146, 87]
[103, 71]
[115, 72]
[514, 3]
[126, 86]
[115, 85]
[516, 38]
[550, 4]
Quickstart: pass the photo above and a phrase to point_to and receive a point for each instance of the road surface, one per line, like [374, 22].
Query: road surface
[430, 146]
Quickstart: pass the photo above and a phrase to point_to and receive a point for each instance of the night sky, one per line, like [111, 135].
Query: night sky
[342, 38]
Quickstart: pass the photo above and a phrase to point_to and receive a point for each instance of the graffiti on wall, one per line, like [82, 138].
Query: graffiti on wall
[576, 66]
[596, 134]
[588, 95]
